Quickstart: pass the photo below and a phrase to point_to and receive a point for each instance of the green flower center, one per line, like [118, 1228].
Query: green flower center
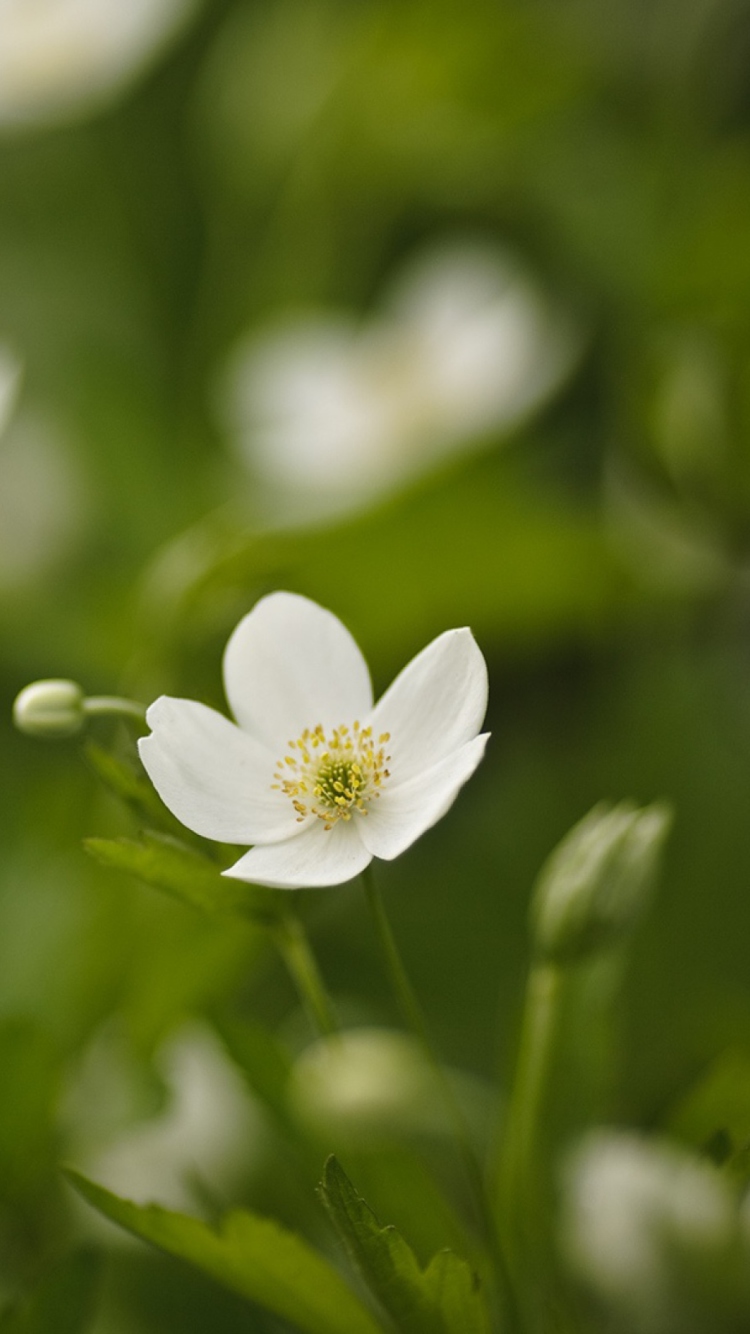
[333, 777]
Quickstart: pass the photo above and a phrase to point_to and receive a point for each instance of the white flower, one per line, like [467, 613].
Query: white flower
[656, 1232]
[57, 56]
[315, 776]
[40, 496]
[10, 380]
[205, 1135]
[335, 413]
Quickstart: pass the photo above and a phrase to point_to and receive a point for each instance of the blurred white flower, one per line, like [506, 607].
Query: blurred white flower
[316, 776]
[332, 412]
[10, 379]
[203, 1138]
[57, 56]
[40, 501]
[655, 1232]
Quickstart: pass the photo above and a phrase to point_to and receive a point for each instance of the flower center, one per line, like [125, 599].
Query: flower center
[333, 776]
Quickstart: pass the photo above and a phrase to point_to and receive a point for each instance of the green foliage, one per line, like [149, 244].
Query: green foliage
[263, 1059]
[713, 1117]
[253, 1256]
[31, 1084]
[129, 784]
[169, 864]
[441, 1299]
[63, 1302]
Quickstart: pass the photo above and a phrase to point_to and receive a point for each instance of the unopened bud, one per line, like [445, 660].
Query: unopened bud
[597, 882]
[50, 709]
[365, 1084]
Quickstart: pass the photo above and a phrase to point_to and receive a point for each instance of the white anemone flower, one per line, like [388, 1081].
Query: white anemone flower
[59, 56]
[314, 775]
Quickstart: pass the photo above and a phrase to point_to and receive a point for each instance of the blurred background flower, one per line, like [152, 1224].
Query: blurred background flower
[334, 411]
[190, 1142]
[657, 1234]
[58, 57]
[40, 492]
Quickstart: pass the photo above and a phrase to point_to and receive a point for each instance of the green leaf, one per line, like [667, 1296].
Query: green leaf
[63, 1303]
[170, 865]
[30, 1083]
[714, 1116]
[264, 1061]
[131, 786]
[456, 1294]
[253, 1256]
[443, 1299]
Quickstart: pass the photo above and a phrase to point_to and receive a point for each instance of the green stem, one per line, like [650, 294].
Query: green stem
[522, 1148]
[294, 947]
[112, 704]
[414, 1018]
[405, 994]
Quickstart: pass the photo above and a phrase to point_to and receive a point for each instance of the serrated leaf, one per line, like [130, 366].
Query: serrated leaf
[170, 865]
[63, 1303]
[256, 1257]
[443, 1299]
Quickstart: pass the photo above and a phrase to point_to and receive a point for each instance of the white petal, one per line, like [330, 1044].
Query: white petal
[403, 812]
[291, 664]
[215, 778]
[317, 858]
[435, 705]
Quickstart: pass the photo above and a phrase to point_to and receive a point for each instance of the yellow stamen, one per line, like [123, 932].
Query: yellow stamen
[338, 773]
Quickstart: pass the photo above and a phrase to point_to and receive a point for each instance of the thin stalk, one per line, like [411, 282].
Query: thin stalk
[294, 947]
[523, 1176]
[113, 704]
[414, 1018]
[522, 1148]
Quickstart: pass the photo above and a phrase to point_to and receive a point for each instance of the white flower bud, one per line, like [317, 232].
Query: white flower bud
[50, 709]
[596, 883]
[365, 1084]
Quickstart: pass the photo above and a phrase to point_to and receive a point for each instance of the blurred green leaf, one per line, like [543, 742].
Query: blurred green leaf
[262, 1058]
[167, 864]
[131, 786]
[63, 1303]
[441, 1299]
[475, 544]
[30, 1088]
[253, 1256]
[714, 1116]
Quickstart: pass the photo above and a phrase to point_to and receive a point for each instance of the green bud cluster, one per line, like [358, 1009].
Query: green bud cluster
[596, 883]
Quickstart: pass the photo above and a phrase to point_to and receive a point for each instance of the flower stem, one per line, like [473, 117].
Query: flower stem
[523, 1206]
[524, 1117]
[413, 1016]
[294, 947]
[405, 994]
[113, 704]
